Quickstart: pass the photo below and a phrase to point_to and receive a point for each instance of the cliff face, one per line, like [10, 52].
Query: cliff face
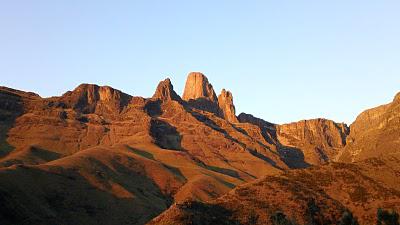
[90, 98]
[13, 103]
[304, 143]
[95, 145]
[200, 94]
[143, 154]
[375, 132]
[165, 91]
[198, 87]
[225, 102]
[319, 140]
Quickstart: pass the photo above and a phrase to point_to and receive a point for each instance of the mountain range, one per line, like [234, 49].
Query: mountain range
[96, 155]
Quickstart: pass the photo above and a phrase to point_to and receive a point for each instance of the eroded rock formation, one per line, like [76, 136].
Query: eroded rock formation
[225, 102]
[95, 145]
[198, 87]
[165, 91]
[375, 132]
[319, 140]
[90, 98]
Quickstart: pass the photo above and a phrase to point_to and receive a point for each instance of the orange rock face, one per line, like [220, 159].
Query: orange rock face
[375, 132]
[93, 99]
[142, 154]
[225, 102]
[198, 87]
[319, 140]
[165, 91]
[106, 157]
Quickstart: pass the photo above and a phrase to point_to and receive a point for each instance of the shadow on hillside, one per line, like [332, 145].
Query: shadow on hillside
[142, 153]
[33, 155]
[204, 105]
[44, 154]
[240, 130]
[203, 213]
[224, 171]
[5, 147]
[207, 121]
[11, 107]
[92, 199]
[165, 135]
[265, 158]
[293, 157]
[176, 171]
[153, 108]
[210, 123]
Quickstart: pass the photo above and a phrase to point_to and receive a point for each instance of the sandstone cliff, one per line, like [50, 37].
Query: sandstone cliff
[304, 143]
[225, 102]
[90, 98]
[375, 132]
[198, 87]
[200, 94]
[317, 140]
[165, 91]
[102, 145]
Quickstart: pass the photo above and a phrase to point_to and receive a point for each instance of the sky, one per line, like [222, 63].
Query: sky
[284, 61]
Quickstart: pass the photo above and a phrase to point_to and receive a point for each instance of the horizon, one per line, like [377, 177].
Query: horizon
[283, 62]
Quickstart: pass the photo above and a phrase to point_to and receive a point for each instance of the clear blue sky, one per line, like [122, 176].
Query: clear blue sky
[283, 60]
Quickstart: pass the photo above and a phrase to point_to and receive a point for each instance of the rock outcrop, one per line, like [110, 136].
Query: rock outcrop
[90, 98]
[304, 143]
[200, 94]
[165, 91]
[198, 87]
[225, 102]
[248, 118]
[375, 132]
[142, 154]
[117, 158]
[319, 140]
[268, 130]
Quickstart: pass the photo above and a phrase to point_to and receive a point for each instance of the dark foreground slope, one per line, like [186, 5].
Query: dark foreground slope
[319, 195]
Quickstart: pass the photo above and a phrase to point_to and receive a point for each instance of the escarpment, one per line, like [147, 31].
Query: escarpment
[107, 157]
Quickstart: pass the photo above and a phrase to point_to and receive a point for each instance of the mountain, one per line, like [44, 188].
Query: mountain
[319, 140]
[375, 132]
[102, 145]
[304, 143]
[96, 155]
[320, 195]
[165, 92]
[200, 94]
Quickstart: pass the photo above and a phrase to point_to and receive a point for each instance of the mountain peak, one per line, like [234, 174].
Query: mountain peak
[165, 91]
[87, 97]
[397, 98]
[197, 86]
[225, 102]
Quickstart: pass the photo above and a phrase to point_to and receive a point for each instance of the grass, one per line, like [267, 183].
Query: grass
[142, 153]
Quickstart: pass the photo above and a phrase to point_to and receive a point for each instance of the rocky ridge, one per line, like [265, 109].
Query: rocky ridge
[110, 146]
[375, 132]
